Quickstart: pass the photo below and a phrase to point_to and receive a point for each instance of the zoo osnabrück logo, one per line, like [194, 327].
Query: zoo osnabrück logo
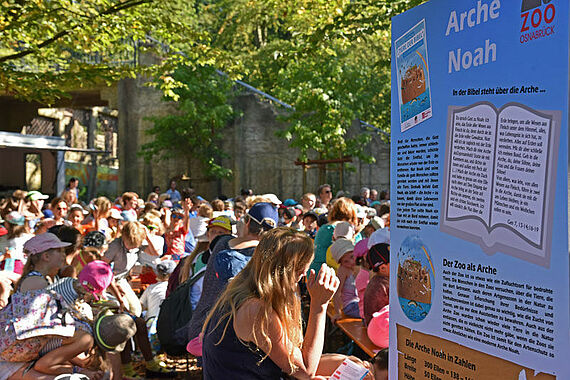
[537, 19]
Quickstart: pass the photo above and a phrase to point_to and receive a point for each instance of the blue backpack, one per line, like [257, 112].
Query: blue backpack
[228, 263]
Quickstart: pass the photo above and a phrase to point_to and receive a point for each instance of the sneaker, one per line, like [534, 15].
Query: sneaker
[74, 376]
[158, 366]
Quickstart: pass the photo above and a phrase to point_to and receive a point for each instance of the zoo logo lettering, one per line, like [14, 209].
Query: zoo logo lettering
[537, 17]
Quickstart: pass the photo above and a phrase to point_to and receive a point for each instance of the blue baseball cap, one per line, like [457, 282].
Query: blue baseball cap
[265, 214]
[289, 202]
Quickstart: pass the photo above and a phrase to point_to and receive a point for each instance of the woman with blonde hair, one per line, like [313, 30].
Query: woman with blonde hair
[343, 210]
[255, 329]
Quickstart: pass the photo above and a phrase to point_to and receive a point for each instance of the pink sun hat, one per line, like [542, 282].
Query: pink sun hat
[95, 277]
[378, 328]
[361, 248]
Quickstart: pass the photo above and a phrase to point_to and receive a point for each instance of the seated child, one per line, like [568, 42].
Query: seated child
[123, 253]
[345, 298]
[310, 224]
[93, 247]
[363, 276]
[377, 294]
[152, 298]
[342, 230]
[61, 321]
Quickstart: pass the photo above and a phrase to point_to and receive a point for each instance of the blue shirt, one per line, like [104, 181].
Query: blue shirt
[174, 195]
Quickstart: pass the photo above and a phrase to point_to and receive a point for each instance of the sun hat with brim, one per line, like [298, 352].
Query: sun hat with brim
[115, 214]
[95, 277]
[340, 247]
[343, 230]
[379, 236]
[222, 221]
[36, 196]
[272, 198]
[16, 218]
[165, 268]
[377, 223]
[265, 214]
[112, 331]
[43, 242]
[361, 248]
[379, 327]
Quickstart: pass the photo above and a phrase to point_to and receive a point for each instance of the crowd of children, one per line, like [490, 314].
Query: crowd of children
[71, 274]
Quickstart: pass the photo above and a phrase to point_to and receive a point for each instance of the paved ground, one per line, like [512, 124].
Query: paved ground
[185, 369]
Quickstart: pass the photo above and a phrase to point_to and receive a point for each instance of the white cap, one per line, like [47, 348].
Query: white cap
[115, 214]
[343, 230]
[379, 236]
[272, 198]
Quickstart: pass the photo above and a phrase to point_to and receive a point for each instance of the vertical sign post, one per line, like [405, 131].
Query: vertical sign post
[479, 234]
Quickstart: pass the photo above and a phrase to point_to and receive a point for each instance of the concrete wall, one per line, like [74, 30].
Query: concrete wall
[259, 159]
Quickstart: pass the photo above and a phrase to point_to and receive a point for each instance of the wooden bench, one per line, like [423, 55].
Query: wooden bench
[137, 286]
[354, 328]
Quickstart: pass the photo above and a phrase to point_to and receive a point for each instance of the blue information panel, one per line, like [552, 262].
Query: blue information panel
[479, 232]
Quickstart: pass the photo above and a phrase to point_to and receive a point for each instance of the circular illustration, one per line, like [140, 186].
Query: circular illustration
[415, 278]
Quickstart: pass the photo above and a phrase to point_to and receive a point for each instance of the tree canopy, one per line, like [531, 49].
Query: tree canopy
[50, 46]
[203, 109]
[329, 59]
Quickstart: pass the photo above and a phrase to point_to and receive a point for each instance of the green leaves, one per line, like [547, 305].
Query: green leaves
[329, 59]
[194, 130]
[42, 41]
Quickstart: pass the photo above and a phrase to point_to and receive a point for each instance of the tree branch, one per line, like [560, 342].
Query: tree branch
[113, 9]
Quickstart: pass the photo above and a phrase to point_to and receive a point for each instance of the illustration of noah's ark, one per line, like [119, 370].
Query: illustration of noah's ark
[414, 281]
[413, 84]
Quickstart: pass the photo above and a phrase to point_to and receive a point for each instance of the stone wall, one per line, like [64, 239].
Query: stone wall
[259, 159]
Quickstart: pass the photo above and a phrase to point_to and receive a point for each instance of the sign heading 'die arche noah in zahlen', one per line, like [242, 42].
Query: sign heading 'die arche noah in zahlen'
[480, 284]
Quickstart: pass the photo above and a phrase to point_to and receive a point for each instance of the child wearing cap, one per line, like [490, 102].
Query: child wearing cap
[345, 299]
[310, 224]
[153, 296]
[45, 258]
[52, 326]
[12, 243]
[377, 294]
[343, 230]
[155, 293]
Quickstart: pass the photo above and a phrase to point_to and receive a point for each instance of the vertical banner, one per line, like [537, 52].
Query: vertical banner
[479, 233]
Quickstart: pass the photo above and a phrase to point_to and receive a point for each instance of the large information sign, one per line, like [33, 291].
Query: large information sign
[479, 233]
